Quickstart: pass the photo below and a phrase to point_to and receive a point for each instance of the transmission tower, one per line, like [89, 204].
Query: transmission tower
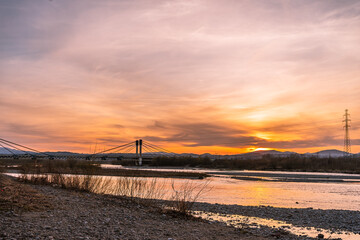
[347, 144]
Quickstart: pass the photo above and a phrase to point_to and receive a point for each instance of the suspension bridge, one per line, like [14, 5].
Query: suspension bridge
[140, 151]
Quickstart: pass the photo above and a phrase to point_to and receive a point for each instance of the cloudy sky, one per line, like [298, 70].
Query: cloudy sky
[192, 75]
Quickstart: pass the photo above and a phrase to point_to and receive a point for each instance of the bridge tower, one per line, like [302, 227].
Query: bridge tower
[347, 144]
[137, 148]
[140, 152]
[138, 144]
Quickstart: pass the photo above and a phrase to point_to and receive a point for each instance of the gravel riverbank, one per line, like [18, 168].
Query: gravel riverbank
[335, 220]
[77, 215]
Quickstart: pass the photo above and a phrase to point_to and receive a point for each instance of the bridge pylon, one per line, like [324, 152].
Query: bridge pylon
[140, 152]
[138, 144]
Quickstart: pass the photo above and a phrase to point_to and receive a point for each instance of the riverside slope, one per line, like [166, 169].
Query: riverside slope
[77, 215]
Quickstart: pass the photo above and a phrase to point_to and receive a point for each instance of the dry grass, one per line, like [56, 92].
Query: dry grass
[139, 189]
[184, 196]
[135, 188]
[87, 183]
[20, 197]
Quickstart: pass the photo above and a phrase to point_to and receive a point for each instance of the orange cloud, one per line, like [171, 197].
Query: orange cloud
[193, 77]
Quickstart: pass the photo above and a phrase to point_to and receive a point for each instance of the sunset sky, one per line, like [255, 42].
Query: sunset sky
[217, 76]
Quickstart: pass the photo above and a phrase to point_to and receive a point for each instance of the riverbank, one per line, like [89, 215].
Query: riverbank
[79, 215]
[333, 224]
[88, 168]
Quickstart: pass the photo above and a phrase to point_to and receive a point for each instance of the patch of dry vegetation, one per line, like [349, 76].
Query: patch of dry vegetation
[86, 167]
[86, 183]
[131, 187]
[145, 191]
[293, 162]
[69, 166]
[139, 189]
[150, 173]
[20, 197]
[83, 177]
[184, 196]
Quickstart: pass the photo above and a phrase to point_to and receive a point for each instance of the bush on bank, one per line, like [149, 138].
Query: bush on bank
[294, 162]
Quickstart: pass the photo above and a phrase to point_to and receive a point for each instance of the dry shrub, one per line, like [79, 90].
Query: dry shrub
[76, 182]
[184, 196]
[139, 189]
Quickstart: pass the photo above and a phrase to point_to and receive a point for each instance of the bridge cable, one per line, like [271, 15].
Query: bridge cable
[123, 149]
[19, 149]
[156, 153]
[159, 153]
[150, 152]
[3, 140]
[110, 149]
[160, 149]
[129, 150]
[7, 149]
[163, 149]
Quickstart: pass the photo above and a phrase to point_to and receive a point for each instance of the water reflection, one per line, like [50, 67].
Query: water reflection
[284, 194]
[240, 221]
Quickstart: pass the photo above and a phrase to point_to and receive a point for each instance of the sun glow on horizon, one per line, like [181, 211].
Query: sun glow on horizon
[259, 149]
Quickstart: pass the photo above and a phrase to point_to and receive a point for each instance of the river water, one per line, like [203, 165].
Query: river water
[280, 189]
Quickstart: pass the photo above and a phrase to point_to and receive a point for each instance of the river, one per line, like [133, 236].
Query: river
[280, 189]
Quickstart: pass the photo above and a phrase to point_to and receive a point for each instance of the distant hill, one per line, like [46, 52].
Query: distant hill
[5, 151]
[259, 154]
[330, 153]
[61, 153]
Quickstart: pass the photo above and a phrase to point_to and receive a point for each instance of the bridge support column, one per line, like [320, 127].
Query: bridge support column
[140, 151]
[137, 148]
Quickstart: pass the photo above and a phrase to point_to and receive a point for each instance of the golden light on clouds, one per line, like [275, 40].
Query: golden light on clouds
[218, 77]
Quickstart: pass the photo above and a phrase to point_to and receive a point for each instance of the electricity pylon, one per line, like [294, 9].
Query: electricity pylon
[347, 143]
